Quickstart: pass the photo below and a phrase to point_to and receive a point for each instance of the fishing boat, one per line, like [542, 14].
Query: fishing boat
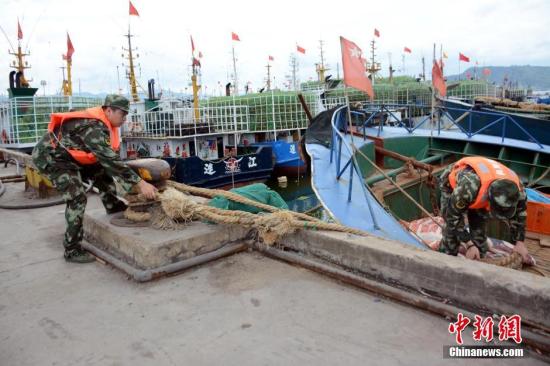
[199, 134]
[378, 178]
[492, 118]
[287, 160]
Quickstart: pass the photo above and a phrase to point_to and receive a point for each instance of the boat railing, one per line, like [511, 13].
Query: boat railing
[272, 111]
[24, 120]
[443, 120]
[505, 120]
[181, 122]
[342, 164]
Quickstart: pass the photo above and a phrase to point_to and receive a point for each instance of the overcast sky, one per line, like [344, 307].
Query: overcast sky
[496, 33]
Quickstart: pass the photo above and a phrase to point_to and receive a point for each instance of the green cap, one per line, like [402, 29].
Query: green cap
[503, 197]
[117, 101]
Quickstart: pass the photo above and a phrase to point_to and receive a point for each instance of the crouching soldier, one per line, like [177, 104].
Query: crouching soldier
[80, 146]
[481, 188]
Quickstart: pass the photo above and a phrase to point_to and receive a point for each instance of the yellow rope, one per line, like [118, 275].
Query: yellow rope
[211, 193]
[179, 207]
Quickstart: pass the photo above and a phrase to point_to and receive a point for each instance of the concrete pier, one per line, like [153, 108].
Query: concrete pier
[148, 248]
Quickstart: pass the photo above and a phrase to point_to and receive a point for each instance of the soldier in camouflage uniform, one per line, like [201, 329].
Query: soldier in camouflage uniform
[507, 202]
[53, 159]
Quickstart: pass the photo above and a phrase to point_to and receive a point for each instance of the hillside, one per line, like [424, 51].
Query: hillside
[535, 77]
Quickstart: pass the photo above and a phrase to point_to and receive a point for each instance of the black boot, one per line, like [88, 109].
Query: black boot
[78, 255]
[119, 206]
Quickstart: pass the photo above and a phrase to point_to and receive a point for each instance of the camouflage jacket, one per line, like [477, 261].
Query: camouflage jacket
[455, 202]
[87, 135]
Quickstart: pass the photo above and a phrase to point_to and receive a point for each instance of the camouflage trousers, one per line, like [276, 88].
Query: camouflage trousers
[69, 182]
[476, 231]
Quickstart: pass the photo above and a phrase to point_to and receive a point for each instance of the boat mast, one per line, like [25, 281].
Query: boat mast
[294, 71]
[235, 79]
[374, 66]
[67, 83]
[268, 66]
[391, 68]
[69, 77]
[195, 66]
[321, 66]
[130, 74]
[20, 65]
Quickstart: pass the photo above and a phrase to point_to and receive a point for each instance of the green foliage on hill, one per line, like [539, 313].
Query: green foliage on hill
[535, 77]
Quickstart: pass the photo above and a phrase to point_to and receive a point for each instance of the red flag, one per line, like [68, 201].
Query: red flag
[486, 71]
[354, 69]
[437, 80]
[271, 58]
[461, 57]
[70, 48]
[376, 32]
[235, 37]
[407, 49]
[19, 31]
[300, 49]
[133, 10]
[195, 61]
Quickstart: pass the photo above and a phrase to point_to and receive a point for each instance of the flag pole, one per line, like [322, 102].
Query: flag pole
[433, 96]
[349, 113]
[236, 92]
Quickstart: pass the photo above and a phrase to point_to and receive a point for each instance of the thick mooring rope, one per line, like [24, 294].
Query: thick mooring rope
[179, 207]
[211, 193]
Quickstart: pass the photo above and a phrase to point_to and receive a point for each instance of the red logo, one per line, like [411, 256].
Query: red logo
[483, 328]
[508, 328]
[461, 323]
[232, 165]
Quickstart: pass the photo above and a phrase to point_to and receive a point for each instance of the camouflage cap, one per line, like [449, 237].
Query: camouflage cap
[117, 101]
[503, 197]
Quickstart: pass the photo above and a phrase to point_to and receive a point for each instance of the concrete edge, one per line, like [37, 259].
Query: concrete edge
[144, 275]
[137, 253]
[472, 284]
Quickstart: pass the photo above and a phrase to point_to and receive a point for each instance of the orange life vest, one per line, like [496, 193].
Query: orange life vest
[82, 157]
[488, 171]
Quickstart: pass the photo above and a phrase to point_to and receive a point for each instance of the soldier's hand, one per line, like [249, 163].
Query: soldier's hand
[147, 190]
[473, 253]
[521, 248]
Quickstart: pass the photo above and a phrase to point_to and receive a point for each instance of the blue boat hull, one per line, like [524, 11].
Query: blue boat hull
[287, 158]
[229, 171]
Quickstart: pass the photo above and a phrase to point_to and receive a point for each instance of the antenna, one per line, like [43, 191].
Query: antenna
[374, 66]
[391, 68]
[321, 66]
